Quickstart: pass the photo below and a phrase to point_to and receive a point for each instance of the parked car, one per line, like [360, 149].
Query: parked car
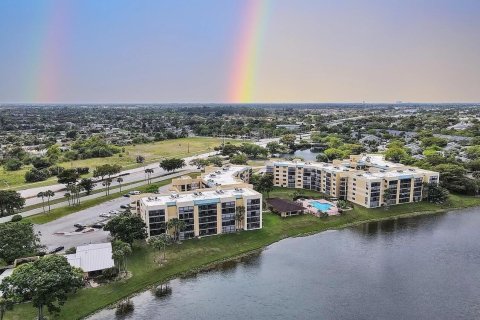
[135, 192]
[105, 215]
[125, 206]
[78, 225]
[80, 228]
[113, 212]
[126, 195]
[57, 249]
[98, 225]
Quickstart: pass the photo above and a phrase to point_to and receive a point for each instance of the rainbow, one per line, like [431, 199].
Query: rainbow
[50, 42]
[254, 21]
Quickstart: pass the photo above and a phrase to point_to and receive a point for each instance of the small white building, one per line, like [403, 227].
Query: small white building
[92, 257]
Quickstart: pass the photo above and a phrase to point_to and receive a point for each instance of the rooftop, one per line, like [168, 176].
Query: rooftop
[224, 176]
[198, 196]
[92, 257]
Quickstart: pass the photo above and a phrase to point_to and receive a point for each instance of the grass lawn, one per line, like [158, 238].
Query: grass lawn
[152, 152]
[197, 253]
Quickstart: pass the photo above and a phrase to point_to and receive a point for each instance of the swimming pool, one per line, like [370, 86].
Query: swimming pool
[321, 206]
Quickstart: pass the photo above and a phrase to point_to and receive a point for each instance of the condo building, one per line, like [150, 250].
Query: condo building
[207, 204]
[367, 180]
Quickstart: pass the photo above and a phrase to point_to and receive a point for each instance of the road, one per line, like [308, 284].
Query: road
[61, 232]
[96, 195]
[129, 176]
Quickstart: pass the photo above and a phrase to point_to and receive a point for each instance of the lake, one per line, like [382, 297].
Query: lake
[305, 154]
[425, 267]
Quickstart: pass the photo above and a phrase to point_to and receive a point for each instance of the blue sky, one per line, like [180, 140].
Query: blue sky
[185, 51]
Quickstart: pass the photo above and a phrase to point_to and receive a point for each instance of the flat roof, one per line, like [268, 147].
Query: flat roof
[224, 176]
[198, 197]
[92, 257]
[314, 165]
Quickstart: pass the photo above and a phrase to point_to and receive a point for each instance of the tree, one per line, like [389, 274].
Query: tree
[127, 228]
[288, 140]
[46, 282]
[239, 159]
[35, 175]
[87, 185]
[119, 181]
[68, 196]
[10, 201]
[387, 194]
[172, 164]
[160, 242]
[106, 170]
[107, 183]
[49, 194]
[5, 304]
[68, 176]
[395, 154]
[253, 150]
[273, 147]
[17, 239]
[12, 165]
[120, 251]
[177, 225]
[216, 161]
[41, 163]
[263, 184]
[435, 193]
[148, 174]
[41, 194]
[239, 217]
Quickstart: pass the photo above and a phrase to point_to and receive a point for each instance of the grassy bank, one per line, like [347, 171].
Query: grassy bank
[197, 253]
[153, 152]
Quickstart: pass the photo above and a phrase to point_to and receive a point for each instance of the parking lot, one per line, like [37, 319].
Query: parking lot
[61, 232]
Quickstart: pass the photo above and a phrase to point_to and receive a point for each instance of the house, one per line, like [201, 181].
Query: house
[92, 258]
[284, 207]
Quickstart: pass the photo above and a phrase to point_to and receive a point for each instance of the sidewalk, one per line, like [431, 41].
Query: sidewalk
[97, 195]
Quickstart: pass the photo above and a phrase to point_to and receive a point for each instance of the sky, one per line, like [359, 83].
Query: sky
[239, 51]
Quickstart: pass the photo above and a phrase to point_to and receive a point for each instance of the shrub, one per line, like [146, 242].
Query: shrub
[12, 165]
[124, 307]
[35, 175]
[16, 218]
[71, 250]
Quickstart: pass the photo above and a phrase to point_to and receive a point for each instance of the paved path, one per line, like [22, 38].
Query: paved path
[97, 195]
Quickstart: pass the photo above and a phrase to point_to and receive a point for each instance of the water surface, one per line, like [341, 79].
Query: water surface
[415, 268]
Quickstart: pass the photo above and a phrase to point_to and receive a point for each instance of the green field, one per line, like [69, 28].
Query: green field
[196, 254]
[153, 152]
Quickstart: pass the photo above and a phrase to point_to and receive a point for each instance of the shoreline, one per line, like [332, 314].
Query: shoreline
[212, 265]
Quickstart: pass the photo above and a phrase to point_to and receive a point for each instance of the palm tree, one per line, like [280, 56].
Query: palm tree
[177, 225]
[148, 175]
[119, 181]
[107, 184]
[42, 195]
[49, 194]
[239, 216]
[120, 251]
[387, 194]
[160, 242]
[68, 196]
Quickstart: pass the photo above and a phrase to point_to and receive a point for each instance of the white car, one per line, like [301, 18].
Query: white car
[105, 215]
[113, 212]
[134, 192]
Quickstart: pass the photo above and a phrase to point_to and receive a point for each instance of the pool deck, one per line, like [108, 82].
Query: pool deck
[333, 211]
